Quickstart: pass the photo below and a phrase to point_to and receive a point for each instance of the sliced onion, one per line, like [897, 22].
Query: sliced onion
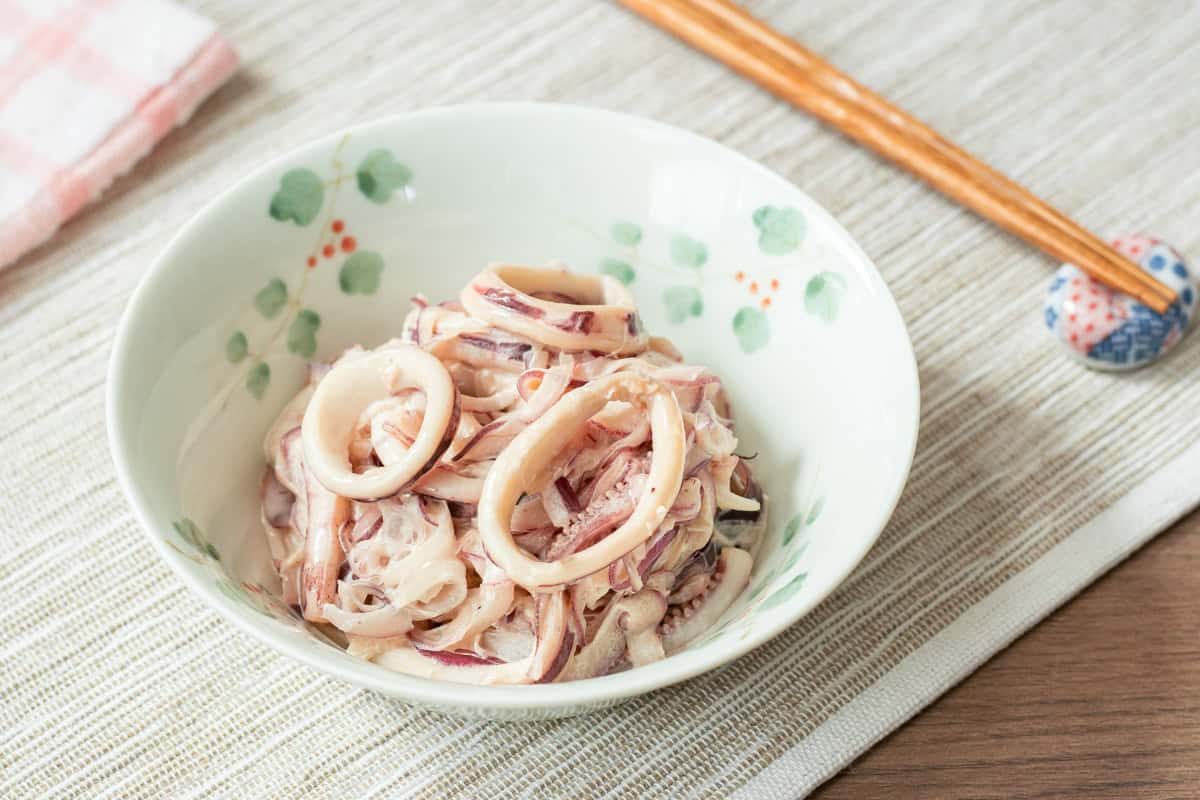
[489, 440]
[483, 607]
[410, 660]
[552, 650]
[607, 321]
[378, 623]
[555, 642]
[485, 349]
[460, 484]
[550, 386]
[454, 658]
[495, 402]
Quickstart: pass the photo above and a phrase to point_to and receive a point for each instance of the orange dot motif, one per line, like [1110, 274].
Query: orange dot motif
[768, 288]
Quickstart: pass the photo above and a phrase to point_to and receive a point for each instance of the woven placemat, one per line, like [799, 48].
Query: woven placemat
[1032, 475]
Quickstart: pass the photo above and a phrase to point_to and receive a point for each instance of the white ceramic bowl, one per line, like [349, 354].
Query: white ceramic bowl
[739, 267]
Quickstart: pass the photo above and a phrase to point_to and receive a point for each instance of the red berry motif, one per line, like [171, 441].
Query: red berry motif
[347, 243]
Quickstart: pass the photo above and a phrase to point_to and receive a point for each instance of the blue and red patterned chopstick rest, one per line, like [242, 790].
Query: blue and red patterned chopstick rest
[1107, 329]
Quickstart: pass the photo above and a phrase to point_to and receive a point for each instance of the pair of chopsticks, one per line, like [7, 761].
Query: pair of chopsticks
[748, 46]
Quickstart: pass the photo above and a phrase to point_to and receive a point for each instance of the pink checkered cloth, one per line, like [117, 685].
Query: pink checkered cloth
[87, 87]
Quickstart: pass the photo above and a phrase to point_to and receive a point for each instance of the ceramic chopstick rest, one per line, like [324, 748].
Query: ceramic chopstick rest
[1110, 330]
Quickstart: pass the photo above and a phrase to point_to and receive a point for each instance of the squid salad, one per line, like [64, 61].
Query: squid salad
[522, 487]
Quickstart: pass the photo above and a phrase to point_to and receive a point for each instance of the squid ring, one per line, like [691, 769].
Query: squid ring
[557, 308]
[522, 463]
[349, 388]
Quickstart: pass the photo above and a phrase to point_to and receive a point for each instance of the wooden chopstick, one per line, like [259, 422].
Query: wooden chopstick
[783, 70]
[831, 79]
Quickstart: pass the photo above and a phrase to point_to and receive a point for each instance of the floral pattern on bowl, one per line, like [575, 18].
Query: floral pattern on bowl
[301, 200]
[780, 232]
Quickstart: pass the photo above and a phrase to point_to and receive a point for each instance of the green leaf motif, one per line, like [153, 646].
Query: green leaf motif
[299, 197]
[823, 295]
[815, 511]
[618, 269]
[189, 532]
[682, 302]
[360, 273]
[784, 593]
[687, 252]
[751, 328]
[380, 174]
[626, 233]
[302, 335]
[237, 347]
[258, 380]
[793, 558]
[762, 584]
[791, 529]
[780, 230]
[271, 299]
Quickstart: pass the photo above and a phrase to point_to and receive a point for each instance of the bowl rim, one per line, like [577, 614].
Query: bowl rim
[592, 692]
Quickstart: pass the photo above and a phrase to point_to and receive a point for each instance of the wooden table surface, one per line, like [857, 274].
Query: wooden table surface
[1101, 700]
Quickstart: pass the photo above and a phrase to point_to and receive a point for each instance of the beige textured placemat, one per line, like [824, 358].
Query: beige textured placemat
[116, 682]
